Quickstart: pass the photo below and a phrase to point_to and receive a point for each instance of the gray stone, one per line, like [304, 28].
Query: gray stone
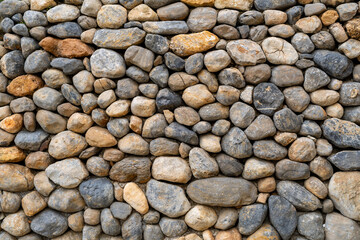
[201, 19]
[67, 65]
[310, 225]
[258, 33]
[333, 63]
[152, 217]
[127, 88]
[157, 43]
[181, 133]
[20, 29]
[49, 223]
[28, 46]
[286, 120]
[137, 74]
[47, 98]
[251, 17]
[349, 94]
[97, 192]
[262, 5]
[109, 224]
[267, 98]
[194, 63]
[12, 64]
[302, 43]
[241, 114]
[11, 7]
[269, 150]
[314, 9]
[222, 192]
[282, 216]
[297, 195]
[286, 76]
[310, 128]
[66, 200]
[118, 127]
[37, 61]
[174, 62]
[341, 133]
[65, 30]
[139, 56]
[229, 166]
[251, 218]
[323, 40]
[227, 218]
[339, 227]
[22, 104]
[347, 11]
[70, 94]
[236, 144]
[30, 140]
[202, 164]
[315, 79]
[132, 228]
[6, 24]
[118, 38]
[172, 227]
[352, 114]
[166, 27]
[34, 19]
[158, 195]
[291, 170]
[120, 210]
[153, 232]
[160, 75]
[107, 63]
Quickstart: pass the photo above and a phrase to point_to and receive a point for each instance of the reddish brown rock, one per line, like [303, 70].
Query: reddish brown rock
[24, 85]
[68, 48]
[12, 124]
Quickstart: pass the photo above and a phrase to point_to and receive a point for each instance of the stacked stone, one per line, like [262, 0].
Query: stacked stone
[188, 120]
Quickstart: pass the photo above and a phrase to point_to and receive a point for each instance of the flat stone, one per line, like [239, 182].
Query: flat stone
[11, 7]
[279, 51]
[158, 194]
[229, 166]
[256, 168]
[172, 227]
[65, 30]
[132, 227]
[270, 4]
[68, 173]
[175, 11]
[245, 52]
[341, 133]
[97, 192]
[119, 38]
[286, 76]
[16, 178]
[120, 210]
[68, 48]
[50, 122]
[166, 27]
[62, 13]
[188, 44]
[298, 196]
[133, 143]
[67, 65]
[201, 19]
[291, 170]
[139, 56]
[269, 150]
[222, 192]
[243, 5]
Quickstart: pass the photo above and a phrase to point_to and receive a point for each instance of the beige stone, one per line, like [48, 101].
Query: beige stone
[201, 217]
[324, 97]
[210, 143]
[197, 96]
[100, 137]
[11, 154]
[309, 24]
[136, 198]
[243, 5]
[32, 203]
[329, 17]
[232, 234]
[142, 13]
[172, 169]
[199, 3]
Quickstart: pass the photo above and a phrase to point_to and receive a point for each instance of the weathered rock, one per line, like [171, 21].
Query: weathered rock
[49, 223]
[172, 169]
[135, 169]
[236, 144]
[222, 191]
[339, 227]
[201, 217]
[66, 200]
[68, 48]
[279, 51]
[66, 144]
[15, 178]
[267, 98]
[97, 192]
[333, 63]
[158, 194]
[245, 52]
[341, 133]
[251, 218]
[201, 164]
[172, 227]
[107, 63]
[24, 85]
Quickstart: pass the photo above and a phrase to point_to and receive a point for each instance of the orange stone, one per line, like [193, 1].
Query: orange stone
[68, 48]
[24, 85]
[12, 124]
[11, 154]
[199, 3]
[329, 17]
[232, 234]
[189, 44]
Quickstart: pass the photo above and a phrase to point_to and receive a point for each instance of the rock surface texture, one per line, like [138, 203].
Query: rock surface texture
[180, 119]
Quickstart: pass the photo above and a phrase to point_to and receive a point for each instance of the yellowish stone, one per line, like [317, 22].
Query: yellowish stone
[142, 13]
[134, 196]
[11, 154]
[243, 5]
[199, 3]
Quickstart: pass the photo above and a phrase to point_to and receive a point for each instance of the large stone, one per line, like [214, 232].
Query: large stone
[68, 48]
[262, 5]
[47, 98]
[172, 169]
[24, 85]
[49, 223]
[15, 178]
[107, 63]
[298, 196]
[339, 227]
[97, 192]
[188, 44]
[333, 63]
[236, 144]
[245, 52]
[11, 154]
[16, 224]
[100, 137]
[341, 133]
[166, 198]
[66, 144]
[343, 188]
[119, 38]
[66, 200]
[30, 140]
[346, 160]
[279, 51]
[11, 7]
[310, 225]
[68, 173]
[222, 192]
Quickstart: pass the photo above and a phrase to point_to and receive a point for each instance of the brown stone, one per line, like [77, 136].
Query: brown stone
[24, 85]
[38, 160]
[266, 232]
[68, 48]
[267, 185]
[11, 154]
[329, 17]
[136, 198]
[232, 234]
[353, 28]
[285, 138]
[15, 178]
[316, 187]
[32, 203]
[100, 137]
[189, 44]
[76, 222]
[302, 150]
[199, 3]
[12, 124]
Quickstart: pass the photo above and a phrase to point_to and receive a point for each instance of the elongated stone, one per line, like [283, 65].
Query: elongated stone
[118, 38]
[342, 133]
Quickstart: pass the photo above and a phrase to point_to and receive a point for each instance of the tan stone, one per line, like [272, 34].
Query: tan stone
[118, 192]
[186, 116]
[15, 178]
[243, 5]
[322, 168]
[207, 235]
[79, 122]
[142, 13]
[210, 143]
[197, 96]
[172, 169]
[11, 154]
[100, 137]
[169, 116]
[32, 203]
[143, 106]
[353, 28]
[136, 198]
[92, 216]
[189, 44]
[111, 16]
[266, 232]
[201, 217]
[274, 17]
[192, 236]
[267, 184]
[24, 85]
[302, 150]
[335, 110]
[76, 222]
[39, 5]
[199, 3]
[232, 234]
[119, 108]
[316, 187]
[324, 97]
[262, 198]
[68, 48]
[285, 138]
[309, 24]
[38, 160]
[136, 124]
[12, 124]
[329, 17]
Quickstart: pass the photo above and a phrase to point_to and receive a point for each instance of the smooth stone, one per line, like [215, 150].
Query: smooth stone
[49, 223]
[16, 178]
[132, 228]
[107, 63]
[286, 76]
[201, 164]
[346, 160]
[136, 169]
[229, 166]
[67, 65]
[66, 200]
[245, 52]
[165, 27]
[267, 98]
[172, 169]
[279, 51]
[30, 140]
[310, 225]
[333, 63]
[47, 98]
[12, 64]
[341, 133]
[119, 38]
[251, 218]
[66, 144]
[339, 227]
[97, 192]
[291, 170]
[65, 30]
[172, 227]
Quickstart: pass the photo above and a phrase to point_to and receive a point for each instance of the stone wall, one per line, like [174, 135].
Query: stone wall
[188, 120]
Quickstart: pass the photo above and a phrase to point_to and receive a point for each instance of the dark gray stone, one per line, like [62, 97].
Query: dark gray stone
[291, 170]
[222, 191]
[127, 88]
[157, 43]
[109, 224]
[229, 166]
[311, 128]
[345, 160]
[294, 14]
[310, 225]
[251, 17]
[349, 94]
[166, 27]
[236, 144]
[298, 196]
[267, 98]
[160, 75]
[167, 198]
[30, 140]
[302, 43]
[153, 232]
[137, 74]
[181, 133]
[65, 30]
[251, 218]
[286, 120]
[120, 210]
[97, 192]
[232, 77]
[323, 40]
[174, 62]
[194, 63]
[262, 5]
[172, 227]
[282, 216]
[67, 65]
[71, 94]
[132, 228]
[12, 64]
[333, 63]
[341, 133]
[49, 223]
